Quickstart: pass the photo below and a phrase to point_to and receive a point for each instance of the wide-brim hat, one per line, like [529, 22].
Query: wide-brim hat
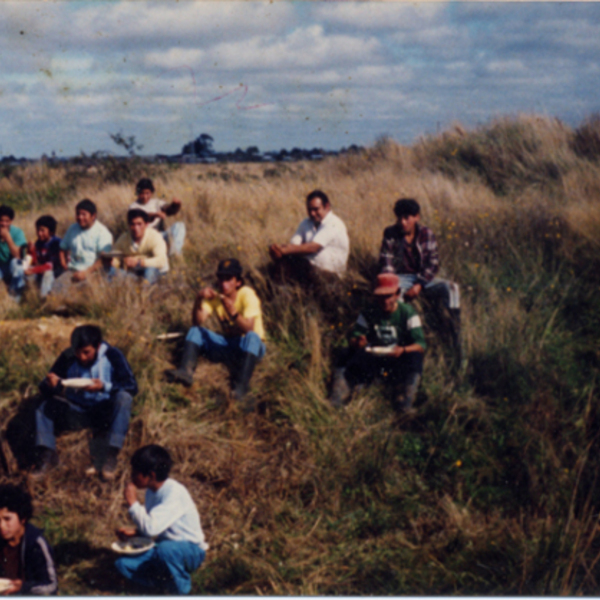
[387, 283]
[230, 267]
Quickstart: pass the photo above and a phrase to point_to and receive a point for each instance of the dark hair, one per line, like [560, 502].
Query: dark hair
[144, 184]
[86, 335]
[136, 213]
[7, 211]
[406, 207]
[152, 459]
[88, 205]
[47, 221]
[318, 194]
[16, 500]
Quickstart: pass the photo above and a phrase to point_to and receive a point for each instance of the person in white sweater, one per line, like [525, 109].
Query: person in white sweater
[168, 515]
[144, 249]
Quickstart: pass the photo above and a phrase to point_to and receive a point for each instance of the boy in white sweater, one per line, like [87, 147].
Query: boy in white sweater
[170, 516]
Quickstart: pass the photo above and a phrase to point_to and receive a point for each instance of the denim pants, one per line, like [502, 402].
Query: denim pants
[446, 291]
[149, 274]
[168, 564]
[109, 419]
[13, 274]
[221, 349]
[175, 237]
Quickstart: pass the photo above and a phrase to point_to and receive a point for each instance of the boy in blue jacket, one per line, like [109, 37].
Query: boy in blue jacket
[104, 405]
[25, 555]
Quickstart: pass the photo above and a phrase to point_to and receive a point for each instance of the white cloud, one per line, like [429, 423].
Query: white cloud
[378, 15]
[307, 47]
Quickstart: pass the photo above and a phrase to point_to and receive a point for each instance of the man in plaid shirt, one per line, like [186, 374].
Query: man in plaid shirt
[410, 250]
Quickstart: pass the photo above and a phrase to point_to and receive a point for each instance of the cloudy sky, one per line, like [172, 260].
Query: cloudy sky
[284, 74]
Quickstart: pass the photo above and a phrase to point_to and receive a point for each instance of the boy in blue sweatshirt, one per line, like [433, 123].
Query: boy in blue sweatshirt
[25, 556]
[104, 405]
[170, 516]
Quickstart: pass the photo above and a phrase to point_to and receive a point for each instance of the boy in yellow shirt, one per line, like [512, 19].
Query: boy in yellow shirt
[240, 346]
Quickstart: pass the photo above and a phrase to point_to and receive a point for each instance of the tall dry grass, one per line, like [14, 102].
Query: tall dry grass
[490, 489]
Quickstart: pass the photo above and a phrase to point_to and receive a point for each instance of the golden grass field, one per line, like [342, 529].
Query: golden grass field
[490, 489]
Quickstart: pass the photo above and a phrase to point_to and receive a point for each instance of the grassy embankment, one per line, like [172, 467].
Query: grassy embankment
[492, 488]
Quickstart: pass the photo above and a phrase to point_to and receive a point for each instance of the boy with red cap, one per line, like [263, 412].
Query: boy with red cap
[388, 341]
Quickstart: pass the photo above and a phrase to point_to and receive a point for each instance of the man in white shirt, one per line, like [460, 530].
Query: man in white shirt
[159, 210]
[320, 241]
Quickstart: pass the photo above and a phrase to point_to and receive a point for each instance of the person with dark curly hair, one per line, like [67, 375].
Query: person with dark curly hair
[26, 558]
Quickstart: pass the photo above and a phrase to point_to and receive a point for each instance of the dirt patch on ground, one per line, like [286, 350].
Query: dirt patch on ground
[45, 332]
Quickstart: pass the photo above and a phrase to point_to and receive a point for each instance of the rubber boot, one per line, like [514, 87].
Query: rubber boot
[46, 460]
[240, 381]
[456, 337]
[404, 395]
[340, 389]
[185, 373]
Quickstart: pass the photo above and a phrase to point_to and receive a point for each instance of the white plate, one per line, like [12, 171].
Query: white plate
[4, 584]
[170, 336]
[77, 382]
[380, 350]
[134, 545]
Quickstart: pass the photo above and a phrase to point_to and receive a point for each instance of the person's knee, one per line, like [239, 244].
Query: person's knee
[253, 344]
[123, 400]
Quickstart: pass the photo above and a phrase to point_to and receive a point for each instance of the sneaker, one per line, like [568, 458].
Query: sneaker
[109, 468]
[91, 471]
[47, 459]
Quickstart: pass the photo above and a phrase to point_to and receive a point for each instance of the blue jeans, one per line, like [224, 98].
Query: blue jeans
[13, 274]
[221, 349]
[44, 281]
[168, 564]
[109, 419]
[175, 237]
[150, 274]
[446, 291]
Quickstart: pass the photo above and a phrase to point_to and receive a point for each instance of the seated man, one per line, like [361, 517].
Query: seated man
[388, 341]
[241, 346]
[104, 404]
[26, 557]
[410, 250]
[158, 211]
[144, 248]
[320, 241]
[169, 515]
[12, 248]
[45, 253]
[82, 246]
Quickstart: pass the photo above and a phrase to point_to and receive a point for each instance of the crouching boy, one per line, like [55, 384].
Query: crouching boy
[388, 341]
[169, 515]
[25, 556]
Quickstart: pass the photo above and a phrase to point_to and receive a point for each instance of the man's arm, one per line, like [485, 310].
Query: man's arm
[430, 257]
[173, 208]
[13, 247]
[59, 370]
[45, 581]
[160, 517]
[200, 313]
[122, 375]
[306, 248]
[387, 253]
[242, 323]
[81, 275]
